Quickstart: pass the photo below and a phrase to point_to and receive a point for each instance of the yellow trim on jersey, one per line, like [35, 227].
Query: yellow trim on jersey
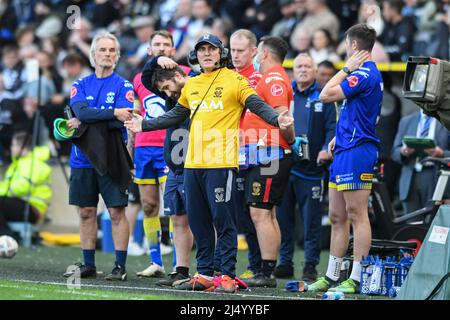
[332, 185]
[150, 181]
[214, 132]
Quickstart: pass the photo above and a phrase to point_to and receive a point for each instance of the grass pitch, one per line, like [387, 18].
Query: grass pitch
[36, 273]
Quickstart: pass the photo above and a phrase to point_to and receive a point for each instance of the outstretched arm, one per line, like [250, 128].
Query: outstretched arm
[171, 118]
[257, 105]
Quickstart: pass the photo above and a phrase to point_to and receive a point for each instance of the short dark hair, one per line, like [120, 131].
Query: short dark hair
[11, 48]
[363, 34]
[163, 33]
[23, 139]
[277, 46]
[73, 58]
[160, 74]
[327, 64]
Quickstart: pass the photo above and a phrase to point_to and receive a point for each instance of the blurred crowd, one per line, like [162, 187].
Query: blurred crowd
[56, 35]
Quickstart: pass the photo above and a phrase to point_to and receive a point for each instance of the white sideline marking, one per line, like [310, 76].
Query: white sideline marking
[74, 292]
[165, 290]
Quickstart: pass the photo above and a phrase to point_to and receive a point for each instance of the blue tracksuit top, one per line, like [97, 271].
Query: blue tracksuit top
[318, 121]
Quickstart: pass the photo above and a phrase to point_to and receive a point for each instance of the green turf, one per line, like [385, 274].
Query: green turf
[19, 290]
[37, 274]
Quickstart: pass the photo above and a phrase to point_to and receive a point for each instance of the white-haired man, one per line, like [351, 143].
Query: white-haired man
[99, 97]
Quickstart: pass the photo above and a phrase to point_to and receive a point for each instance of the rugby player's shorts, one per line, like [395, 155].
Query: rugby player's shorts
[150, 165]
[353, 169]
[174, 196]
[265, 184]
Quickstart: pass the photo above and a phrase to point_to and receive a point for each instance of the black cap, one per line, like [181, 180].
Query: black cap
[211, 39]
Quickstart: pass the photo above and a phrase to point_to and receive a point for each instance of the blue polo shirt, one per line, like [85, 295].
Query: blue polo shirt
[94, 99]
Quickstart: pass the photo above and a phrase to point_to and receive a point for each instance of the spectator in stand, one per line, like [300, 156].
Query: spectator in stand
[12, 73]
[80, 38]
[25, 36]
[103, 13]
[178, 25]
[300, 43]
[222, 29]
[322, 47]
[398, 35]
[292, 12]
[261, 16]
[202, 17]
[325, 71]
[319, 16]
[417, 180]
[49, 24]
[24, 11]
[8, 22]
[346, 12]
[370, 13]
[143, 27]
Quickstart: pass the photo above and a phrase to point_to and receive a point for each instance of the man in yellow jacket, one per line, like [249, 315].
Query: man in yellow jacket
[27, 179]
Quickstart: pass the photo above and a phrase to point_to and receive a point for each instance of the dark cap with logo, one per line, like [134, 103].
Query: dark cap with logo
[211, 39]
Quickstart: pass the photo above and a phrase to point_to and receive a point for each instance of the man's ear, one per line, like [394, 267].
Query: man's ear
[149, 51]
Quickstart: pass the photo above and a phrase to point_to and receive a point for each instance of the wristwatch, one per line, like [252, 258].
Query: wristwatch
[346, 70]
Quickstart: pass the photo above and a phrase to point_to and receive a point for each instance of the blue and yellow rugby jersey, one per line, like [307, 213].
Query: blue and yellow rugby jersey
[214, 132]
[363, 89]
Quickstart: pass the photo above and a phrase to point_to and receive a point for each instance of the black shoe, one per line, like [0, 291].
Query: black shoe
[173, 279]
[283, 272]
[262, 281]
[117, 274]
[309, 273]
[82, 270]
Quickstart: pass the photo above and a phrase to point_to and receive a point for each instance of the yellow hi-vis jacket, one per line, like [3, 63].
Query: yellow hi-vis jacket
[29, 184]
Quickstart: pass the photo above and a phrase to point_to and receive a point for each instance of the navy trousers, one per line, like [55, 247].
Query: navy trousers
[211, 209]
[308, 195]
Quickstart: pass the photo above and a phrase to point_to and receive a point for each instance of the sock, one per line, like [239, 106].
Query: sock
[121, 258]
[173, 245]
[356, 271]
[183, 270]
[334, 268]
[152, 230]
[89, 257]
[268, 266]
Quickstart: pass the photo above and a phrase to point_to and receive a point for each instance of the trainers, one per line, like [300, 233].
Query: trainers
[173, 279]
[135, 249]
[227, 285]
[197, 283]
[309, 273]
[153, 271]
[81, 269]
[283, 272]
[117, 274]
[348, 286]
[247, 274]
[261, 280]
[321, 285]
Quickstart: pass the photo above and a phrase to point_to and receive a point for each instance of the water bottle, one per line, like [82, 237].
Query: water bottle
[390, 280]
[68, 112]
[393, 292]
[365, 275]
[376, 278]
[333, 296]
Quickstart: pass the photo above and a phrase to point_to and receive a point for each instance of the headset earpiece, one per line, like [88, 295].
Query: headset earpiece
[192, 57]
